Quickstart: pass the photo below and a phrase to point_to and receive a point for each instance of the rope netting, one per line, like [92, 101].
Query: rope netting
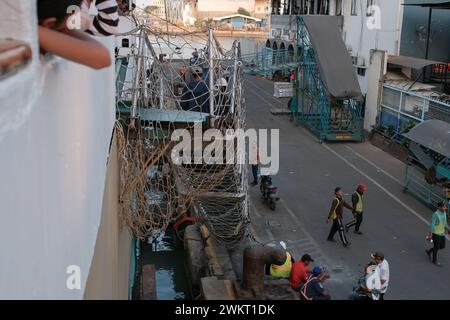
[160, 90]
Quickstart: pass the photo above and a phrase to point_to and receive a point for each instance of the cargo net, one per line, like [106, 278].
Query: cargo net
[159, 90]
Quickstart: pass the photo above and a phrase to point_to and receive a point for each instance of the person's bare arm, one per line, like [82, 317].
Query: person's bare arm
[75, 46]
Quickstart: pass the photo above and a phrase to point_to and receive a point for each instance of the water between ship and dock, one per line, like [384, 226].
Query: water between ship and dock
[166, 253]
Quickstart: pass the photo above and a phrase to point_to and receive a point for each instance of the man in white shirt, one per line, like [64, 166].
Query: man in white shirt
[383, 267]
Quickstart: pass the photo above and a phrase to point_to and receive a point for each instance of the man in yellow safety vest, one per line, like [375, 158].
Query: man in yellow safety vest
[284, 270]
[358, 208]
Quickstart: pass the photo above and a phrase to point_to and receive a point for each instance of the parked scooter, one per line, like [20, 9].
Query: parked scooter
[269, 191]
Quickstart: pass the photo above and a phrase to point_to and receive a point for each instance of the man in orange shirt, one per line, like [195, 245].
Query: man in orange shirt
[300, 271]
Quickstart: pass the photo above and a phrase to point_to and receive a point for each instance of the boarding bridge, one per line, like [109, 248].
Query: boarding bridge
[327, 97]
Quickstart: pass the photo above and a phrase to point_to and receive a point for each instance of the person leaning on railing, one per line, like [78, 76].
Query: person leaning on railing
[74, 45]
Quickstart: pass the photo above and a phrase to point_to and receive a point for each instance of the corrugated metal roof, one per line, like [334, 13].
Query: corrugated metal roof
[432, 134]
[411, 62]
[236, 16]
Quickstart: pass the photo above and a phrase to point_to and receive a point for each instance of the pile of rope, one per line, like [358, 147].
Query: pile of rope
[161, 81]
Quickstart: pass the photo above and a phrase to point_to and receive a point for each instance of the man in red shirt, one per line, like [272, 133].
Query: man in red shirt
[300, 271]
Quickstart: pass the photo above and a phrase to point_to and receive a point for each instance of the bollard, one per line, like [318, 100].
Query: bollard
[255, 258]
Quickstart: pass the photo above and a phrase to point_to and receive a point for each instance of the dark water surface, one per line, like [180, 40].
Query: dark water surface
[167, 254]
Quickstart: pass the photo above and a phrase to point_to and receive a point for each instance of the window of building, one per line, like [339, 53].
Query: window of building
[362, 72]
[286, 5]
[338, 7]
[369, 11]
[311, 6]
[354, 8]
[323, 7]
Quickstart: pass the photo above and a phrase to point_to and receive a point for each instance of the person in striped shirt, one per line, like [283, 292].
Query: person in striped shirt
[55, 36]
[105, 21]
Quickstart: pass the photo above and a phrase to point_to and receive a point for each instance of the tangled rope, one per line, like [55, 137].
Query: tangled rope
[152, 95]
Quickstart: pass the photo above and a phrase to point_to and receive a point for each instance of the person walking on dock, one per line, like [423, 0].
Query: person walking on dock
[337, 207]
[358, 207]
[254, 161]
[437, 232]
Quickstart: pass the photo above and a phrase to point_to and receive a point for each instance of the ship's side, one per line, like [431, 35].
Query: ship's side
[60, 235]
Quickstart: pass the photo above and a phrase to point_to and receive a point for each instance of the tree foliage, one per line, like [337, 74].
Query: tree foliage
[243, 12]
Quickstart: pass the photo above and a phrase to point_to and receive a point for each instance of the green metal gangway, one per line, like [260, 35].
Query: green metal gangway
[316, 105]
[331, 116]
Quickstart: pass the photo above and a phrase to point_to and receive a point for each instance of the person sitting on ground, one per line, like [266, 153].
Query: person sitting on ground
[369, 286]
[299, 272]
[195, 96]
[313, 289]
[74, 45]
[281, 271]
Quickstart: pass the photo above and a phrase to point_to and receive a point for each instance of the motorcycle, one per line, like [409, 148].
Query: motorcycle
[269, 191]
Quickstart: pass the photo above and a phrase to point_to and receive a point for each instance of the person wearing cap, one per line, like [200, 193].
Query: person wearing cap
[438, 227]
[195, 96]
[313, 288]
[358, 206]
[337, 208]
[300, 271]
[383, 268]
